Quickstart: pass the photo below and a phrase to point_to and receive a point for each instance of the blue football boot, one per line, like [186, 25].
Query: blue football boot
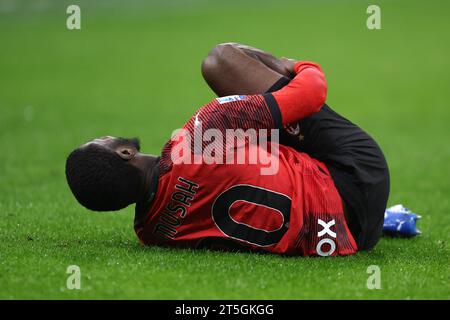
[399, 221]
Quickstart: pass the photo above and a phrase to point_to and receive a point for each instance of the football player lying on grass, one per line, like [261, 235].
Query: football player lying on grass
[321, 190]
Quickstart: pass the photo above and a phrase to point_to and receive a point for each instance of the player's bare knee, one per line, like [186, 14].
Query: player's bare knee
[217, 59]
[220, 54]
[209, 67]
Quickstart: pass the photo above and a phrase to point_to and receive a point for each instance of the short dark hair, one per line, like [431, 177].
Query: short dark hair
[100, 179]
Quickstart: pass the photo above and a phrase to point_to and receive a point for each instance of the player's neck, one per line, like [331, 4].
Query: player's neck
[147, 165]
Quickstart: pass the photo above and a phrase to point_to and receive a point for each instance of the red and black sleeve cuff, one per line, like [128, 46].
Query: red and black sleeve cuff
[274, 110]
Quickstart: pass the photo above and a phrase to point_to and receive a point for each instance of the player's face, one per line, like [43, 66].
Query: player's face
[124, 147]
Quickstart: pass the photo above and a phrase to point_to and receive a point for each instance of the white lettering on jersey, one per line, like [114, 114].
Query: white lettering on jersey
[326, 231]
[227, 99]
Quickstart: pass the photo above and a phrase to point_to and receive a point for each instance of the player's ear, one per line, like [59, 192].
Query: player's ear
[126, 153]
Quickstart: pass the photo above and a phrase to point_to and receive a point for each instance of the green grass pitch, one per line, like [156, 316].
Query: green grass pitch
[134, 70]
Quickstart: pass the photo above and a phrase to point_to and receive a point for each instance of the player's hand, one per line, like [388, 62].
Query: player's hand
[288, 65]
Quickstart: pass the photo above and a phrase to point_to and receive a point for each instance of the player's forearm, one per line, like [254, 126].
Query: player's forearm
[304, 95]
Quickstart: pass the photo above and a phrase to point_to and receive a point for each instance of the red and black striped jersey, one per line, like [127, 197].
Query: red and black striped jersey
[225, 182]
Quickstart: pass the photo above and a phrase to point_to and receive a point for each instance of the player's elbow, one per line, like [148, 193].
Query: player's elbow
[319, 89]
[311, 97]
[321, 95]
